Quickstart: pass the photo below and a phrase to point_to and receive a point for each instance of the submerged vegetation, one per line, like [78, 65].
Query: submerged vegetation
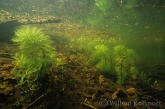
[119, 60]
[102, 55]
[100, 43]
[111, 57]
[35, 56]
[125, 63]
[144, 80]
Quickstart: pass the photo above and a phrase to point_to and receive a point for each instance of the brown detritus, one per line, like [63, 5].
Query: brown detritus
[131, 91]
[88, 104]
[7, 75]
[7, 80]
[119, 93]
[96, 95]
[101, 79]
[6, 67]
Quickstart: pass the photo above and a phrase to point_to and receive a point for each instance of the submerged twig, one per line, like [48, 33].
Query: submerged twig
[35, 101]
[88, 104]
[48, 90]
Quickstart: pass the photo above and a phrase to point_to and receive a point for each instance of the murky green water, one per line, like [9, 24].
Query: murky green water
[140, 24]
[121, 39]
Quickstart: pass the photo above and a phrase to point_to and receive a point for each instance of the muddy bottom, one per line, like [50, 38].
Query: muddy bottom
[74, 85]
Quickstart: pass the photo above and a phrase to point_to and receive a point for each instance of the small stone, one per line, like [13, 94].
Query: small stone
[101, 79]
[131, 91]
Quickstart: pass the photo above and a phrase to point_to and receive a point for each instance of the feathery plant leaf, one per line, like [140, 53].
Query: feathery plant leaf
[125, 61]
[102, 55]
[35, 53]
[120, 60]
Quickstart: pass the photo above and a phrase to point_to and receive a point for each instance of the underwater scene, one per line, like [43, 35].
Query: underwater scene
[82, 54]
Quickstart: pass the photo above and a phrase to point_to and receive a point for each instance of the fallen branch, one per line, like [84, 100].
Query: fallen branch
[35, 101]
[48, 90]
[88, 104]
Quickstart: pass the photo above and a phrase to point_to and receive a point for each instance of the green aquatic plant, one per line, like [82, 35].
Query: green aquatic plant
[118, 60]
[156, 83]
[119, 52]
[103, 58]
[144, 80]
[125, 61]
[35, 56]
[121, 75]
[134, 72]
